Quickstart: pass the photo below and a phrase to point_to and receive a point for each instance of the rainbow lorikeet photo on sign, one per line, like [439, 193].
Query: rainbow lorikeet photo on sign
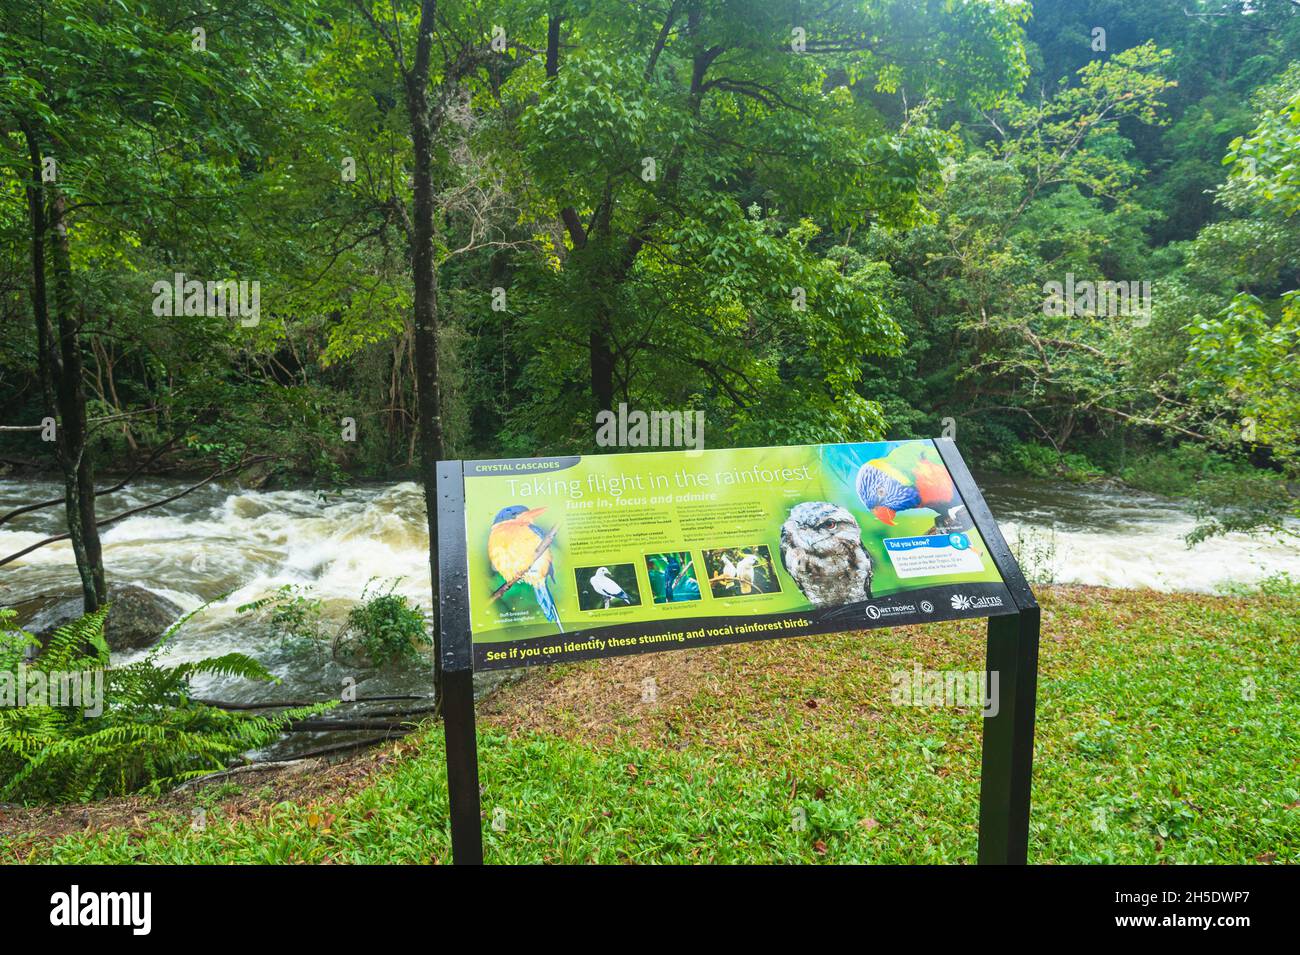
[909, 477]
[520, 551]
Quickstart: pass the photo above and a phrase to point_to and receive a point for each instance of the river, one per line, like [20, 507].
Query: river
[230, 546]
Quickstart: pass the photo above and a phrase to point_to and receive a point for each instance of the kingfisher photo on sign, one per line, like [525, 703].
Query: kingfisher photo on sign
[577, 557]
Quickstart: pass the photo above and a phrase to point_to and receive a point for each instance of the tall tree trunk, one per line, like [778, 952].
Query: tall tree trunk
[599, 350]
[61, 371]
[600, 346]
[79, 468]
[425, 280]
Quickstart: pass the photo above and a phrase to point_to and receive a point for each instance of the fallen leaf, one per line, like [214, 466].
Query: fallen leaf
[869, 824]
[1267, 858]
[819, 847]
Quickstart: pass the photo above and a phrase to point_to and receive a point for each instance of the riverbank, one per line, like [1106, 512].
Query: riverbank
[1168, 731]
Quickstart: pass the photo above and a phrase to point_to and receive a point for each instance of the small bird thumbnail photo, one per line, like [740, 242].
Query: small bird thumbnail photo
[600, 588]
[672, 577]
[741, 571]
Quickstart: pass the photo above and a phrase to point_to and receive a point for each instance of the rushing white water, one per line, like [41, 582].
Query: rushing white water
[1113, 537]
[229, 546]
[225, 546]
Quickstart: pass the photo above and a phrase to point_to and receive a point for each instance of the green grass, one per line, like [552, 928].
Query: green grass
[1148, 749]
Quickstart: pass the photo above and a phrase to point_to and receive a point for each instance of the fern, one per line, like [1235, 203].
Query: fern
[150, 735]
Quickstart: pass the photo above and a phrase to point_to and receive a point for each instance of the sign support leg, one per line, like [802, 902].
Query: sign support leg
[462, 767]
[1009, 740]
[457, 657]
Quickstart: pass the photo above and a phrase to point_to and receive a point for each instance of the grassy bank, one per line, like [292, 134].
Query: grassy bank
[1152, 746]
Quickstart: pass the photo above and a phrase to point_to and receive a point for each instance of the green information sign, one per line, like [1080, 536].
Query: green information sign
[542, 560]
[578, 557]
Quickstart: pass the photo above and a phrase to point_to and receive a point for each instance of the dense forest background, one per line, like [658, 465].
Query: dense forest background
[472, 225]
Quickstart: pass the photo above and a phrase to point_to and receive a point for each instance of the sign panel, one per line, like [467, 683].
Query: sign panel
[571, 558]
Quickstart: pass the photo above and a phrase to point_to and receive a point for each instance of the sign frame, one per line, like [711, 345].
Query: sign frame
[1012, 652]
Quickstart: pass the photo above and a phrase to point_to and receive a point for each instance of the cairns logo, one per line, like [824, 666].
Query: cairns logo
[103, 908]
[965, 602]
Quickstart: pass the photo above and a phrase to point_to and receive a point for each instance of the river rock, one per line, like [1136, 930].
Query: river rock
[137, 618]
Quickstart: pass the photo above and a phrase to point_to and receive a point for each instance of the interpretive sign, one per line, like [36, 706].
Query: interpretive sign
[545, 560]
[580, 557]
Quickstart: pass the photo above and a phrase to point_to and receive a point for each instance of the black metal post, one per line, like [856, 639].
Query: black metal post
[462, 768]
[1007, 765]
[1006, 770]
[457, 657]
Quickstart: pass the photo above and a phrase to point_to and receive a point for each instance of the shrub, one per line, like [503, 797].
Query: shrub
[385, 627]
[1039, 460]
[295, 616]
[1176, 471]
[1035, 552]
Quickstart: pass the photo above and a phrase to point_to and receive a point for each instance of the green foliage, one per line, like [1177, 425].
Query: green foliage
[294, 615]
[1042, 461]
[1177, 472]
[704, 174]
[1044, 202]
[845, 241]
[1280, 584]
[1035, 552]
[1245, 354]
[1266, 163]
[145, 734]
[1255, 357]
[1248, 503]
[1250, 349]
[385, 627]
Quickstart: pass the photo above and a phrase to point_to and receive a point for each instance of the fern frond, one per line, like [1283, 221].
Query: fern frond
[66, 649]
[228, 664]
[150, 734]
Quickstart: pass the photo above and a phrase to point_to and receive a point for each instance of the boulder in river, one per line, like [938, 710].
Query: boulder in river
[137, 618]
